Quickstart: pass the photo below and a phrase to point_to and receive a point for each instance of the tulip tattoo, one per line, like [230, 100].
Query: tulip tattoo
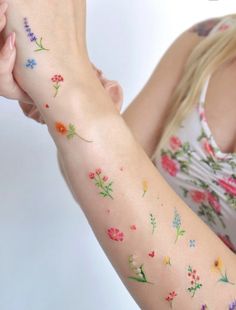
[33, 38]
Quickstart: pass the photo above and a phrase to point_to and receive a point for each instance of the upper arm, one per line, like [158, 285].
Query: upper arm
[146, 113]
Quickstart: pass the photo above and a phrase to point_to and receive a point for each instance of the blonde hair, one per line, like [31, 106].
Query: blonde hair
[205, 58]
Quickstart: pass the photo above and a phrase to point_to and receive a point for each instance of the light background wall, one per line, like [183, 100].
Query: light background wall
[49, 257]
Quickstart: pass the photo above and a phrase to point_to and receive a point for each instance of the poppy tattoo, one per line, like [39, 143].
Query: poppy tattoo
[138, 270]
[177, 225]
[194, 280]
[100, 182]
[33, 37]
[57, 79]
[70, 132]
[218, 267]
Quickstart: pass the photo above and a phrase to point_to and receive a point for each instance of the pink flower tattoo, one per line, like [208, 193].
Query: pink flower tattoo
[101, 182]
[115, 234]
[57, 79]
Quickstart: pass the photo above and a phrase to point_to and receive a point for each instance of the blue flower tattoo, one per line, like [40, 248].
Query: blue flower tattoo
[31, 63]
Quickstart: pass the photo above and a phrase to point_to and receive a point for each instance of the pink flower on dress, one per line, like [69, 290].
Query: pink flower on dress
[175, 143]
[202, 115]
[115, 234]
[227, 241]
[169, 165]
[212, 199]
[223, 27]
[197, 196]
[208, 148]
[229, 185]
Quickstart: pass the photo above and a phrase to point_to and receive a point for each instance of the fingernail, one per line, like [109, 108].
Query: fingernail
[12, 40]
[3, 7]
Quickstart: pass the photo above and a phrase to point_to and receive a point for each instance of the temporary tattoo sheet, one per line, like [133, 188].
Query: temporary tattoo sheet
[102, 182]
[69, 132]
[194, 281]
[57, 79]
[170, 298]
[138, 270]
[177, 225]
[33, 38]
[218, 268]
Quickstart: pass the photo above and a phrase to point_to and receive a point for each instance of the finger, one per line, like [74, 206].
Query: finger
[3, 9]
[7, 51]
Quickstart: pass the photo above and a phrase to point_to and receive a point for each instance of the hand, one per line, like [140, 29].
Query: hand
[8, 86]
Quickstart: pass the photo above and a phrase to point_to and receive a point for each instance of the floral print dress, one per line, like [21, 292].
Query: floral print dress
[199, 172]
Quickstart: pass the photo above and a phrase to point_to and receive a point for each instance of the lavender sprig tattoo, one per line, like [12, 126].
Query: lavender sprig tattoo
[177, 225]
[33, 37]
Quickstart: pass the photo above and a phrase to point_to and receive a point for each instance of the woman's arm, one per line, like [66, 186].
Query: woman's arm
[141, 223]
[153, 102]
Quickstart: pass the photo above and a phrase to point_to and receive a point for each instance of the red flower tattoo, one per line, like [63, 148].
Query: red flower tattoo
[57, 79]
[171, 297]
[115, 234]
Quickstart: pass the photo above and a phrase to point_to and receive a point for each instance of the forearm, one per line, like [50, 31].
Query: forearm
[101, 140]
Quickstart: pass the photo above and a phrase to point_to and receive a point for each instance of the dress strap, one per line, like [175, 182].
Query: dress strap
[204, 90]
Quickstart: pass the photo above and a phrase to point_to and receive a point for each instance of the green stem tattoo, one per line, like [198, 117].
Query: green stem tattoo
[153, 222]
[101, 183]
[40, 45]
[140, 274]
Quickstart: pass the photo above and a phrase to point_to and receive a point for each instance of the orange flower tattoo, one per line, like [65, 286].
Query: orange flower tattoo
[70, 132]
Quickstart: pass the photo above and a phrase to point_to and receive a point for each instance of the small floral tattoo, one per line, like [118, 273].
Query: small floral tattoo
[204, 307]
[170, 298]
[133, 227]
[194, 278]
[166, 260]
[70, 132]
[192, 243]
[100, 182]
[33, 37]
[46, 106]
[218, 267]
[153, 222]
[57, 79]
[152, 254]
[31, 63]
[145, 187]
[115, 234]
[232, 306]
[138, 270]
[177, 225]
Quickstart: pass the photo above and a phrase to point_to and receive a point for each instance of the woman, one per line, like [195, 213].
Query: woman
[159, 247]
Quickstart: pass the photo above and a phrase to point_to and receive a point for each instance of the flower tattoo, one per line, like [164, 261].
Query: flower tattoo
[57, 79]
[166, 260]
[33, 37]
[232, 306]
[177, 225]
[218, 267]
[70, 132]
[31, 63]
[153, 222]
[145, 187]
[138, 270]
[100, 182]
[115, 234]
[194, 278]
[170, 298]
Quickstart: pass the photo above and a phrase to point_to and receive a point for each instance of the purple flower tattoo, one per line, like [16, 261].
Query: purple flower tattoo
[33, 37]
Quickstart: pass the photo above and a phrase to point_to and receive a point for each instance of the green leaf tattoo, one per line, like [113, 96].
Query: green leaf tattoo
[177, 225]
[153, 222]
[138, 270]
